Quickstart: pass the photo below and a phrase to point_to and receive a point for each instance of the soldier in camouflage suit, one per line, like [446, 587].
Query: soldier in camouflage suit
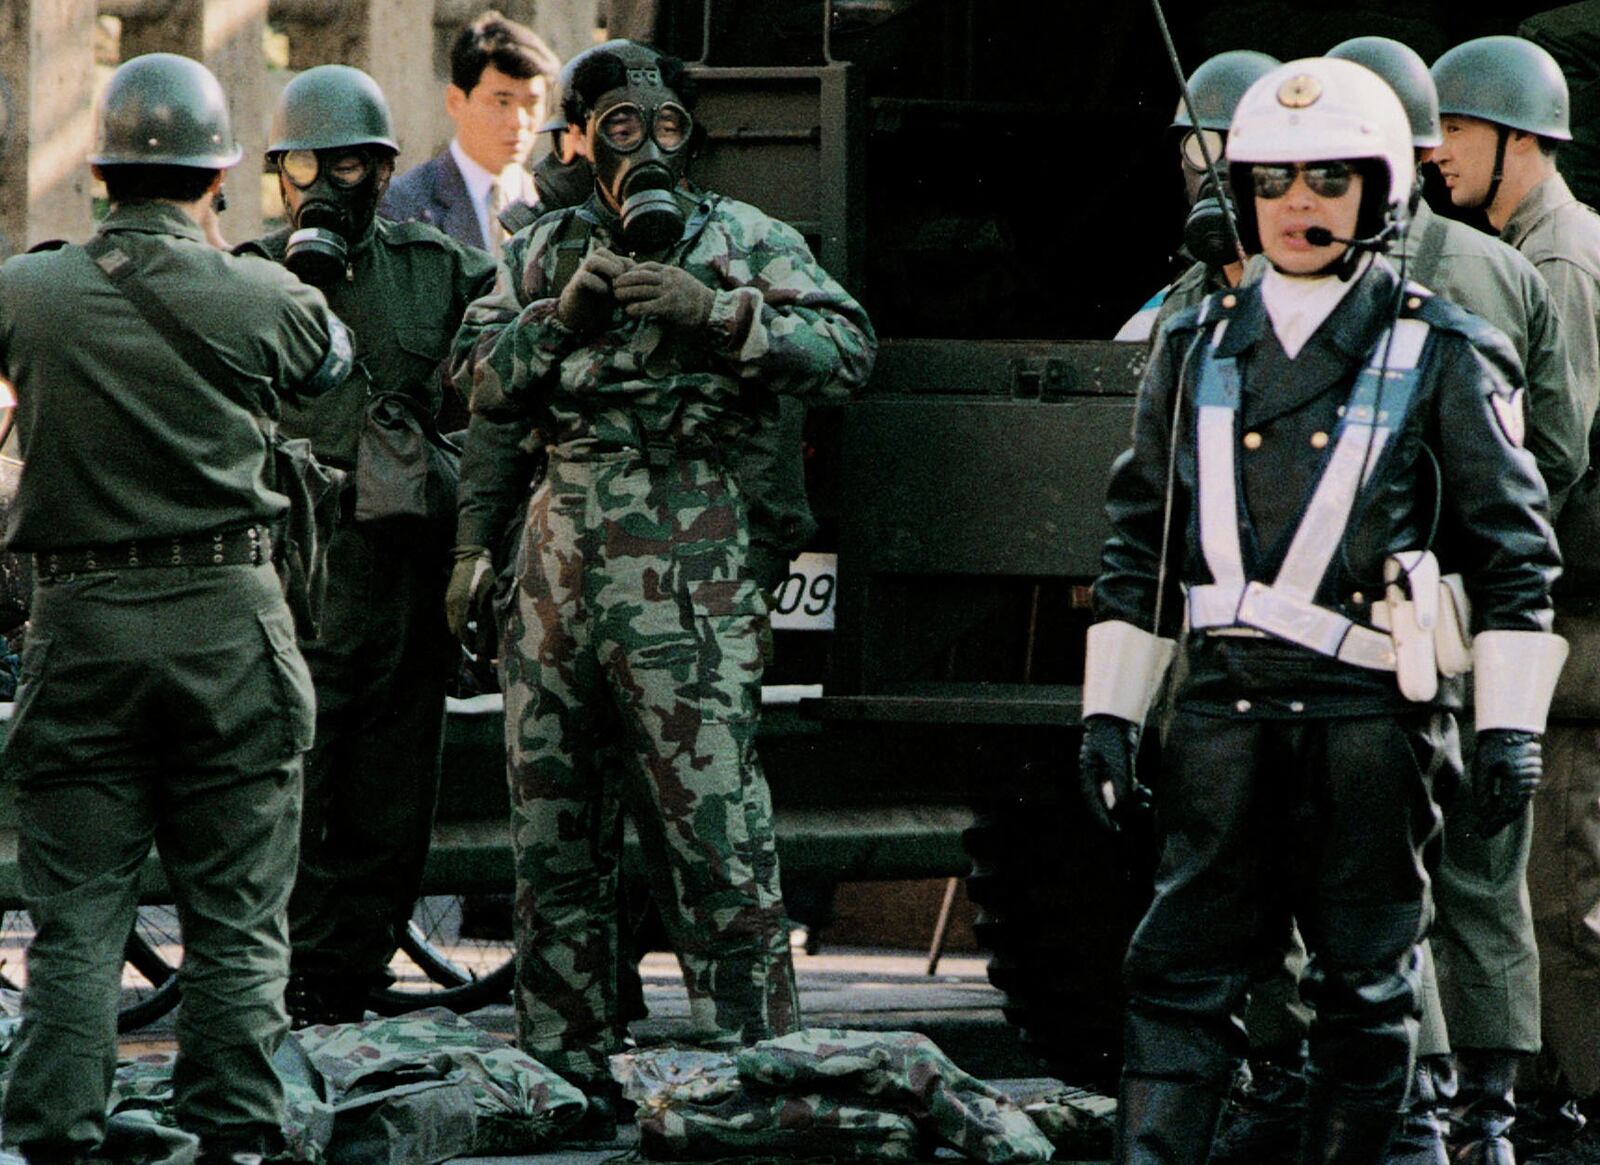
[642, 340]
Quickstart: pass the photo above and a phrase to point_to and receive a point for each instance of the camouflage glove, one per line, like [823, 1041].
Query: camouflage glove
[1115, 798]
[585, 303]
[472, 575]
[669, 294]
[1505, 775]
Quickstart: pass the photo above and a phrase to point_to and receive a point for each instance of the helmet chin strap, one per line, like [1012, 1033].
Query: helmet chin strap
[1501, 136]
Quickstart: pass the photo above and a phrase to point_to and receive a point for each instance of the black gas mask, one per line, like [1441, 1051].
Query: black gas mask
[338, 193]
[562, 184]
[1206, 234]
[639, 138]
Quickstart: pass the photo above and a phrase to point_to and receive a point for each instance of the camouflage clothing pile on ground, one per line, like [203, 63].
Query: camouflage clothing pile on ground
[413, 1090]
[887, 1096]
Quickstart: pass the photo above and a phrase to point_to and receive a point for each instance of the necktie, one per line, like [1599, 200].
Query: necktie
[497, 203]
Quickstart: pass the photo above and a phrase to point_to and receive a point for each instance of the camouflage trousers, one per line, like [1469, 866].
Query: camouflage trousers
[636, 626]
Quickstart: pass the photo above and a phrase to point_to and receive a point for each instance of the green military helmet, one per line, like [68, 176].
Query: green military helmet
[1507, 80]
[330, 106]
[1407, 74]
[1217, 85]
[161, 109]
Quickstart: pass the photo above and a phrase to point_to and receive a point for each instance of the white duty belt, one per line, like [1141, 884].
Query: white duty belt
[1285, 609]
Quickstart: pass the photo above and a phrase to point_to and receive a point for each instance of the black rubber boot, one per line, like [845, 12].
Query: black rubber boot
[1335, 1135]
[1420, 1138]
[311, 1001]
[1485, 1107]
[1265, 1112]
[40, 1155]
[244, 1147]
[598, 1124]
[1166, 1122]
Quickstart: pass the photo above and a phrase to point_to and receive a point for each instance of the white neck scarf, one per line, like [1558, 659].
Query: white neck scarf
[1297, 304]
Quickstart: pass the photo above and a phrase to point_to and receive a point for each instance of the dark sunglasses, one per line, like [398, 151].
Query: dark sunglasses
[1325, 179]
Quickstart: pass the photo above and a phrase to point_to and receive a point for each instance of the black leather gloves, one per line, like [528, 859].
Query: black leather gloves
[1113, 794]
[1505, 775]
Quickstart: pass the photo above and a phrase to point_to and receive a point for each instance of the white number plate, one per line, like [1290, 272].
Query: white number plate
[806, 597]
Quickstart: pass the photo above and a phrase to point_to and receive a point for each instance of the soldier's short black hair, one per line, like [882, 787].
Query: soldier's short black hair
[600, 72]
[492, 39]
[140, 182]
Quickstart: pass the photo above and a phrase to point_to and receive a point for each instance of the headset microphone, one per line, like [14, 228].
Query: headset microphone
[1322, 236]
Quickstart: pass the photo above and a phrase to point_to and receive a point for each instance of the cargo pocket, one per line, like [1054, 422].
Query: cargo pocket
[20, 732]
[291, 677]
[728, 617]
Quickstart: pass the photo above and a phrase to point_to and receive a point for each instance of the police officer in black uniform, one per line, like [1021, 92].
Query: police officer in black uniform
[1313, 456]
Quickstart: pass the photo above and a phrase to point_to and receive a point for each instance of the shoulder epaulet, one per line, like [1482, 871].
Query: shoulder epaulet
[1420, 304]
[1218, 305]
[47, 245]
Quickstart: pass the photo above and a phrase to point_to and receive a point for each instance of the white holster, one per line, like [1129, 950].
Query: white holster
[1427, 616]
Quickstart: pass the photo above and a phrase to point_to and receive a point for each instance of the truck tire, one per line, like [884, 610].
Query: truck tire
[436, 967]
[149, 974]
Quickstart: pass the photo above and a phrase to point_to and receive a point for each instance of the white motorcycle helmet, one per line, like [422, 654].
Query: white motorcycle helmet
[1322, 109]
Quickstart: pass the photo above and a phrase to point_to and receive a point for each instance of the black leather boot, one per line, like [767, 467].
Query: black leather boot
[1265, 1112]
[1166, 1122]
[1485, 1107]
[1335, 1135]
[1420, 1138]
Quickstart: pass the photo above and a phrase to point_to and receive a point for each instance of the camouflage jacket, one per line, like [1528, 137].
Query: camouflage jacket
[779, 325]
[823, 1091]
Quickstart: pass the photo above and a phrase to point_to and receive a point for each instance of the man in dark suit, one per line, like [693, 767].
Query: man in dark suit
[499, 71]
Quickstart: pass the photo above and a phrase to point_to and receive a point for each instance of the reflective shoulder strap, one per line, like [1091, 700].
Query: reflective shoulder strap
[1377, 405]
[1217, 406]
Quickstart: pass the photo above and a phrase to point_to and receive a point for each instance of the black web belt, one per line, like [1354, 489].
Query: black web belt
[246, 546]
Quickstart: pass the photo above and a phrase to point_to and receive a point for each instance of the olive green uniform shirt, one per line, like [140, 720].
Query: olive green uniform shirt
[108, 409]
[1571, 34]
[1495, 281]
[396, 303]
[1561, 237]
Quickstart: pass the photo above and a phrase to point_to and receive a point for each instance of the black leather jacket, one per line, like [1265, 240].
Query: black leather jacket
[1451, 479]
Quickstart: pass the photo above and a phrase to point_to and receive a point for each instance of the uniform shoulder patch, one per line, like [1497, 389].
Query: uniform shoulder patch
[1511, 411]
